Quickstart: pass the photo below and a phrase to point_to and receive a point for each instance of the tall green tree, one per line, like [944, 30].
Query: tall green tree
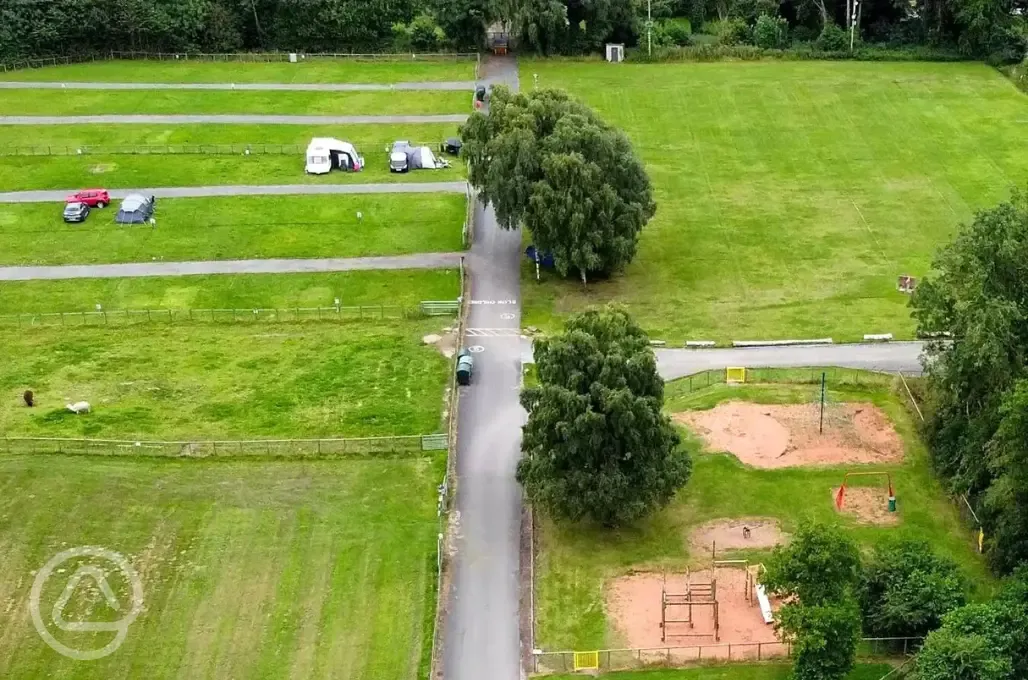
[464, 21]
[597, 446]
[548, 162]
[906, 589]
[818, 574]
[978, 295]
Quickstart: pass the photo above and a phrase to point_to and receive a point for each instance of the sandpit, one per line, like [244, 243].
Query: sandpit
[633, 604]
[776, 436]
[729, 535]
[866, 504]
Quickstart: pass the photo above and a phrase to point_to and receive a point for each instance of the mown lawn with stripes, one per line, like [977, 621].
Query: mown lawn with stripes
[272, 570]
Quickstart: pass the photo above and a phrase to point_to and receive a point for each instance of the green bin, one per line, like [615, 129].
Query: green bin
[892, 504]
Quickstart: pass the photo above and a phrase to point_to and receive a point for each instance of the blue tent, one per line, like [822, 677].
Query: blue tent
[545, 259]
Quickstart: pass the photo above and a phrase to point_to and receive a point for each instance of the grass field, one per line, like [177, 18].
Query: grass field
[238, 227]
[792, 194]
[772, 671]
[370, 139]
[67, 169]
[312, 71]
[574, 562]
[232, 381]
[236, 291]
[80, 102]
[270, 570]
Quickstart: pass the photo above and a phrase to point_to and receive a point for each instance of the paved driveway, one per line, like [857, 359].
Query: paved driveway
[481, 636]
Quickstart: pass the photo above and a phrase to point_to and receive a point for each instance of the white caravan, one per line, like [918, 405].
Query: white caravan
[326, 153]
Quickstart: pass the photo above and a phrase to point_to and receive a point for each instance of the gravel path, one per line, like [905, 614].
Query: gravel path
[249, 190]
[451, 85]
[278, 266]
[233, 119]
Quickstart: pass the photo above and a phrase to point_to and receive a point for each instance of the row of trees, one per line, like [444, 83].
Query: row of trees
[46, 27]
[903, 589]
[976, 304]
[831, 596]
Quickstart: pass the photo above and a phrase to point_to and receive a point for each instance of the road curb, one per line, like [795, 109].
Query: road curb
[782, 343]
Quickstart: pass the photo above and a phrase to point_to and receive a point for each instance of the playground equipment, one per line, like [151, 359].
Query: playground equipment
[676, 608]
[763, 601]
[840, 497]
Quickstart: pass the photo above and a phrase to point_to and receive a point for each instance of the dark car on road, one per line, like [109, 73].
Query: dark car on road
[76, 212]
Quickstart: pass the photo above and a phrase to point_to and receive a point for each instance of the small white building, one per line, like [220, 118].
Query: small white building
[615, 52]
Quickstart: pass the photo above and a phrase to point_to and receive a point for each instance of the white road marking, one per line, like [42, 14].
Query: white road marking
[493, 332]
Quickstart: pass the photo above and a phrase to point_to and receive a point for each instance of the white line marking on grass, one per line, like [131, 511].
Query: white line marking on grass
[878, 243]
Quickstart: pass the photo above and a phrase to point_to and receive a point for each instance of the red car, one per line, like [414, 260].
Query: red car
[94, 198]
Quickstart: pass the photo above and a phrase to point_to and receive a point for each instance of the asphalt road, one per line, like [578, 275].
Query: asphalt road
[451, 85]
[890, 357]
[276, 266]
[249, 190]
[481, 635]
[232, 119]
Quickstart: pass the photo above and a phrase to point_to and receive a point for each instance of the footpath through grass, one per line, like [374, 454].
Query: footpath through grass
[768, 671]
[310, 71]
[241, 227]
[792, 194]
[82, 102]
[249, 570]
[575, 562]
[404, 287]
[224, 381]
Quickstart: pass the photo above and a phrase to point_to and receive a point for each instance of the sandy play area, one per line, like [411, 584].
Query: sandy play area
[774, 436]
[730, 534]
[867, 505]
[633, 603]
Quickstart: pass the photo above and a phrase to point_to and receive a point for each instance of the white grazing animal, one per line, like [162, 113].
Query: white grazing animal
[79, 407]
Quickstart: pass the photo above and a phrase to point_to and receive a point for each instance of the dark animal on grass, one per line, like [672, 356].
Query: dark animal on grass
[30, 399]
